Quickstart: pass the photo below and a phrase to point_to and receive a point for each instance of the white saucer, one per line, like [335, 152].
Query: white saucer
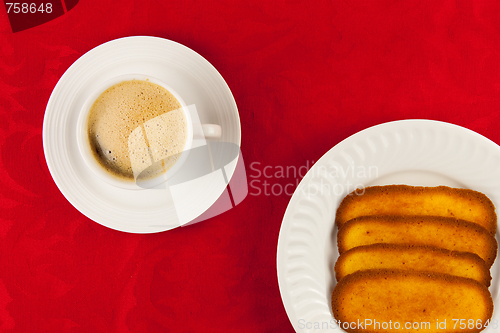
[192, 76]
[413, 152]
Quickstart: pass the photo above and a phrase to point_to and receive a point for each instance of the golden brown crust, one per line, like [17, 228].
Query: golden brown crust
[395, 296]
[445, 201]
[412, 257]
[441, 232]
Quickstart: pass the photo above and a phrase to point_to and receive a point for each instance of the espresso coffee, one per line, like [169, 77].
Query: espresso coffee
[136, 128]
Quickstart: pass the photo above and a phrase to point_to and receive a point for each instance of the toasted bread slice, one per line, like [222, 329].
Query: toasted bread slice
[445, 201]
[394, 300]
[442, 232]
[413, 258]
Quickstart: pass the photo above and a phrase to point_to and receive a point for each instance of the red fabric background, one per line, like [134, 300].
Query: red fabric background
[305, 75]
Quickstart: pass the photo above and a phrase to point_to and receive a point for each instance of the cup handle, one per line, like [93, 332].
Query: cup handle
[211, 131]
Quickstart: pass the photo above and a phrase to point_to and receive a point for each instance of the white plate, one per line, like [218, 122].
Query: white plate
[413, 152]
[193, 77]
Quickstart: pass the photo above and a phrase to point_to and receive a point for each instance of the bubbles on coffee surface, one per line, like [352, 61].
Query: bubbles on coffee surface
[134, 126]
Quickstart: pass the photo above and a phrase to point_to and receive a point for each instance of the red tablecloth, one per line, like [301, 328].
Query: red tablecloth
[305, 75]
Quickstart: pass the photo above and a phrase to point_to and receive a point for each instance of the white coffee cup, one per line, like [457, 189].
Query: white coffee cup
[210, 131]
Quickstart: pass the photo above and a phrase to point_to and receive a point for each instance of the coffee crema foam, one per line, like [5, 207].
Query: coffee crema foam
[136, 129]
